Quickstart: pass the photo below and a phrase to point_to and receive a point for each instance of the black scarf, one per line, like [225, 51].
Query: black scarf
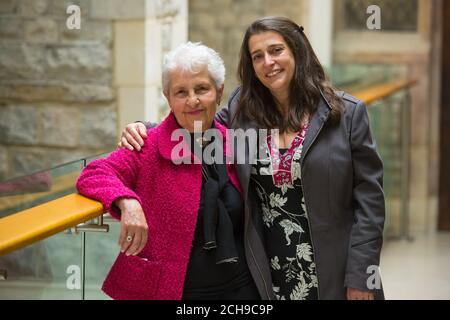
[218, 233]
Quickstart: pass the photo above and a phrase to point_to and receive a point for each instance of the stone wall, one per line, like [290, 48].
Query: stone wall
[221, 24]
[62, 96]
[57, 101]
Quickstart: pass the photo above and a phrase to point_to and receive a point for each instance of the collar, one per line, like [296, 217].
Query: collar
[323, 108]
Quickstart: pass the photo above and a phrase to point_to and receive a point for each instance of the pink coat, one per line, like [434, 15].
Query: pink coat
[170, 197]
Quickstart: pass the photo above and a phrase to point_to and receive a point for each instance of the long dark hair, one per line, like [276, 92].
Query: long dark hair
[309, 79]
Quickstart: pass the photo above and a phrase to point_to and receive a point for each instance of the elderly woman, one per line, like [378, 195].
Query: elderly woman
[181, 234]
[314, 203]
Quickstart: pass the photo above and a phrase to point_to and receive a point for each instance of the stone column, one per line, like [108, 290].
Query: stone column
[166, 26]
[319, 29]
[144, 30]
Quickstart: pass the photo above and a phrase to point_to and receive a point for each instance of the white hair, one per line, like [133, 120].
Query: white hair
[192, 57]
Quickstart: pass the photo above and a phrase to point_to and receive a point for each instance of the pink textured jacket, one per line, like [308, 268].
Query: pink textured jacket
[170, 197]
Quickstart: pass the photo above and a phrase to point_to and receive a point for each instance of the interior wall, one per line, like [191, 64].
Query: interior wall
[417, 52]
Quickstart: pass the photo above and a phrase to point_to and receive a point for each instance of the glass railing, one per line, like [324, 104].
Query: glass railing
[387, 122]
[28, 191]
[68, 265]
[352, 77]
[49, 269]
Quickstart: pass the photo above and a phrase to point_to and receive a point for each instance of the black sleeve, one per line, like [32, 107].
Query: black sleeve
[148, 124]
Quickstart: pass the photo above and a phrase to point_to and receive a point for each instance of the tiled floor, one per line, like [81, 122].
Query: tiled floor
[417, 270]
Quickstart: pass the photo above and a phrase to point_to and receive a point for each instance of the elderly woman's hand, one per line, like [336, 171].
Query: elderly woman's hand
[133, 226]
[356, 294]
[132, 135]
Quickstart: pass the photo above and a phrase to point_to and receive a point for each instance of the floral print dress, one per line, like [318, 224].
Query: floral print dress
[276, 179]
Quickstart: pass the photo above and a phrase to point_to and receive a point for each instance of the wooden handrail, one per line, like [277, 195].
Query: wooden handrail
[380, 91]
[40, 222]
[37, 223]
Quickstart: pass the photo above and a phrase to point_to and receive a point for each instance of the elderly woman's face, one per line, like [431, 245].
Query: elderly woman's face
[193, 97]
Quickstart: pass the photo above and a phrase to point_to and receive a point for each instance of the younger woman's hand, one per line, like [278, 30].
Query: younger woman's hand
[356, 294]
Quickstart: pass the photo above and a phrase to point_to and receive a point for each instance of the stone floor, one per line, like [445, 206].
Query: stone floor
[417, 269]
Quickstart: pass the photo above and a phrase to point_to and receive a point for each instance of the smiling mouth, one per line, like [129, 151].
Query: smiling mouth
[195, 112]
[273, 73]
